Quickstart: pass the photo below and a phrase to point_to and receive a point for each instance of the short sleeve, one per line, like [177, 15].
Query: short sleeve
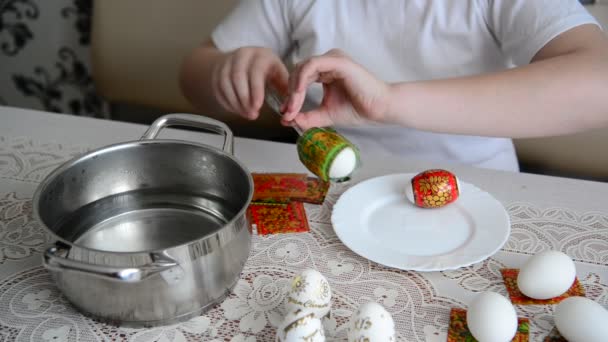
[523, 27]
[254, 23]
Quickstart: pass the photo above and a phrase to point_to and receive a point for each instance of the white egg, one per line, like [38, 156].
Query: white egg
[492, 318]
[343, 164]
[409, 192]
[371, 322]
[580, 319]
[300, 326]
[309, 291]
[546, 275]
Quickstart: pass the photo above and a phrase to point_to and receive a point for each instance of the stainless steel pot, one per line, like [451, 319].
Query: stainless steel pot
[148, 232]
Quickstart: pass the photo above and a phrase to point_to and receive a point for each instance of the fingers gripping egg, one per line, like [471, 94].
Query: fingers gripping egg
[433, 189]
[309, 291]
[371, 322]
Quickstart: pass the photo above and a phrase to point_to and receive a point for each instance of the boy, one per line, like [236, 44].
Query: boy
[449, 81]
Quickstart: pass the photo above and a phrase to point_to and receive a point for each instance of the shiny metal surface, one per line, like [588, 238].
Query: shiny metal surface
[149, 232]
[192, 121]
[55, 261]
[274, 101]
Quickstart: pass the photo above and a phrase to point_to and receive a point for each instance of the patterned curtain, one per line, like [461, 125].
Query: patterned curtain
[44, 57]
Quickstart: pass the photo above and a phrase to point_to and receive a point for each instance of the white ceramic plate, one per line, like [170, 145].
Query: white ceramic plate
[376, 220]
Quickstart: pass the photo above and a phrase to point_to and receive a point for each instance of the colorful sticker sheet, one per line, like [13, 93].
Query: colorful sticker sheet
[278, 199]
[274, 218]
[509, 276]
[288, 187]
[278, 187]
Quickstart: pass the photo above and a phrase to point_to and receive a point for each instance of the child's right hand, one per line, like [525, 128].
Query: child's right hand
[239, 80]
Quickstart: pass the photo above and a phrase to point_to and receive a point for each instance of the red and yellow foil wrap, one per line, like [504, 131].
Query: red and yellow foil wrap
[435, 188]
[318, 147]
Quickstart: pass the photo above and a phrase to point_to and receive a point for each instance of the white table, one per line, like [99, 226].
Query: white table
[546, 213]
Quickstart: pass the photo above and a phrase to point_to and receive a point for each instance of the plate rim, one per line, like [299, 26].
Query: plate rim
[500, 244]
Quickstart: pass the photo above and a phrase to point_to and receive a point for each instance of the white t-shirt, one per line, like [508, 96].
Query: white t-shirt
[408, 40]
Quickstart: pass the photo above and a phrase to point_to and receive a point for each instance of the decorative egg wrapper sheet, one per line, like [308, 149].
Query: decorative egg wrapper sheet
[287, 187]
[318, 147]
[316, 190]
[275, 218]
[277, 205]
[458, 330]
[435, 188]
[509, 276]
[278, 187]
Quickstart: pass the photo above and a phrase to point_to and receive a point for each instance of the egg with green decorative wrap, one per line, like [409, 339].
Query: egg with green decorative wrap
[309, 291]
[327, 154]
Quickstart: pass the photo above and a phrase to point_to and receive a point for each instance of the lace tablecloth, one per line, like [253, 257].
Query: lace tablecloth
[546, 213]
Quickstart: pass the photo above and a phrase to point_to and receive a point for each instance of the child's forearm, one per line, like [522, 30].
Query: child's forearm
[558, 95]
[196, 77]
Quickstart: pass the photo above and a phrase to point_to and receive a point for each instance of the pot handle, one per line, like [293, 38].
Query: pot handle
[191, 120]
[54, 260]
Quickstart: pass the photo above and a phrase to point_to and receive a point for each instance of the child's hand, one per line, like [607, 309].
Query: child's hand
[351, 95]
[239, 80]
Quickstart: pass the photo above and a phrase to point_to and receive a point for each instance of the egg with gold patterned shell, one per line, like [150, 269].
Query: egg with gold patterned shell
[372, 323]
[300, 325]
[309, 291]
[434, 188]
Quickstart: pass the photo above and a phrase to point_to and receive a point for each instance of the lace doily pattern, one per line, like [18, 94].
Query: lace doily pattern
[21, 236]
[33, 309]
[25, 159]
[486, 277]
[583, 236]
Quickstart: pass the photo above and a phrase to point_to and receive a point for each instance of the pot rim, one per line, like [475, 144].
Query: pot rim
[117, 146]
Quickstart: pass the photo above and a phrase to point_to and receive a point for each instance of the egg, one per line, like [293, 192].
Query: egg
[327, 153]
[309, 291]
[433, 188]
[546, 275]
[371, 322]
[300, 326]
[344, 164]
[580, 319]
[491, 318]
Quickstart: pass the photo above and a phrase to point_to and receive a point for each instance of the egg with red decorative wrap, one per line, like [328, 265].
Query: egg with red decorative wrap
[433, 188]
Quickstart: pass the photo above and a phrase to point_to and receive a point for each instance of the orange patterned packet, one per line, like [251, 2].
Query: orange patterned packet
[459, 332]
[279, 187]
[278, 218]
[316, 190]
[509, 276]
